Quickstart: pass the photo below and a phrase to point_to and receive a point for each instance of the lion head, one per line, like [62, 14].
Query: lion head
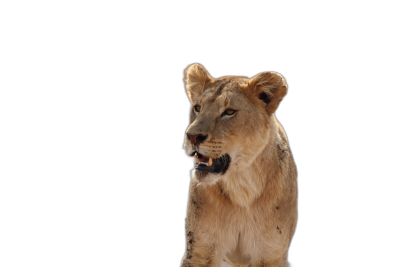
[230, 119]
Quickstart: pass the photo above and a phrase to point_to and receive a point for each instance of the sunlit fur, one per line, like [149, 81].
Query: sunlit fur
[247, 215]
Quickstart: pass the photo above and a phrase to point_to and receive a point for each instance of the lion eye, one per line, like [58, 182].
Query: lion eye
[229, 112]
[197, 108]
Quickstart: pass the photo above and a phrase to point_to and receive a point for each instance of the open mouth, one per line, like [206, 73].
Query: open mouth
[219, 165]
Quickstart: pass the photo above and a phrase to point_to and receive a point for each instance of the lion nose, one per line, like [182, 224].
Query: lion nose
[196, 138]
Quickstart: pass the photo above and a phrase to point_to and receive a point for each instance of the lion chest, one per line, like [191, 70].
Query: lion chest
[258, 230]
[242, 231]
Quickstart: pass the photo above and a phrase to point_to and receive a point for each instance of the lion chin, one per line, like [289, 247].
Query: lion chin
[208, 170]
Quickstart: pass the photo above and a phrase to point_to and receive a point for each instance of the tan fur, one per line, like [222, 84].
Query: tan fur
[246, 216]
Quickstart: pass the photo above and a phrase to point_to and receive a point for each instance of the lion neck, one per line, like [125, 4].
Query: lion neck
[243, 185]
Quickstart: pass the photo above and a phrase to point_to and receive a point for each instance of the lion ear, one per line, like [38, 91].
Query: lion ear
[270, 87]
[196, 80]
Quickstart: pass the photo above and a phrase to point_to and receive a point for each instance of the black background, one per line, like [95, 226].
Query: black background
[137, 174]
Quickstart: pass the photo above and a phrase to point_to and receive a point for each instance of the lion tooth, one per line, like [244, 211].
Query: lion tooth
[197, 159]
[209, 161]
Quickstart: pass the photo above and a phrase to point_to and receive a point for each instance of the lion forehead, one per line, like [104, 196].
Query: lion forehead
[230, 94]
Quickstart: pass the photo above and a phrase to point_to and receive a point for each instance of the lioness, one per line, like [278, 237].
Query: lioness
[243, 193]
